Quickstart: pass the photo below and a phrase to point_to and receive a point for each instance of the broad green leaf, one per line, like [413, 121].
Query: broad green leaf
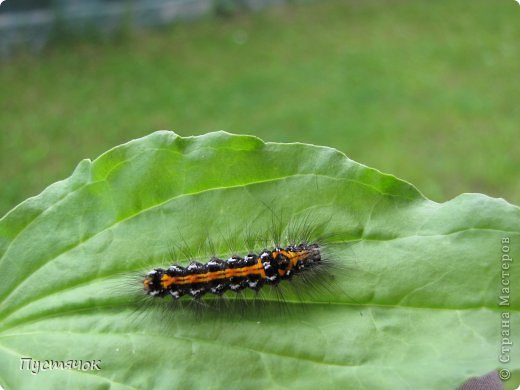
[419, 302]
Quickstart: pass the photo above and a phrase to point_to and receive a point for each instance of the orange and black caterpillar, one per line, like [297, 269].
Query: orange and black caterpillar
[217, 276]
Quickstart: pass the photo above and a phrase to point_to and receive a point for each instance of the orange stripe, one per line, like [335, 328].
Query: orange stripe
[256, 269]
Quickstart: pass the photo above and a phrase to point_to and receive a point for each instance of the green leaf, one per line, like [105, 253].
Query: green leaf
[419, 302]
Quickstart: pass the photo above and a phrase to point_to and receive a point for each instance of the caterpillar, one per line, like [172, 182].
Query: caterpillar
[217, 276]
[291, 262]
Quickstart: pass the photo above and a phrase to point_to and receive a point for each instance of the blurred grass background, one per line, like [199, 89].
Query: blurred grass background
[427, 91]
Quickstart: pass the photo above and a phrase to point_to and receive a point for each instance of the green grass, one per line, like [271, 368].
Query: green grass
[425, 90]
